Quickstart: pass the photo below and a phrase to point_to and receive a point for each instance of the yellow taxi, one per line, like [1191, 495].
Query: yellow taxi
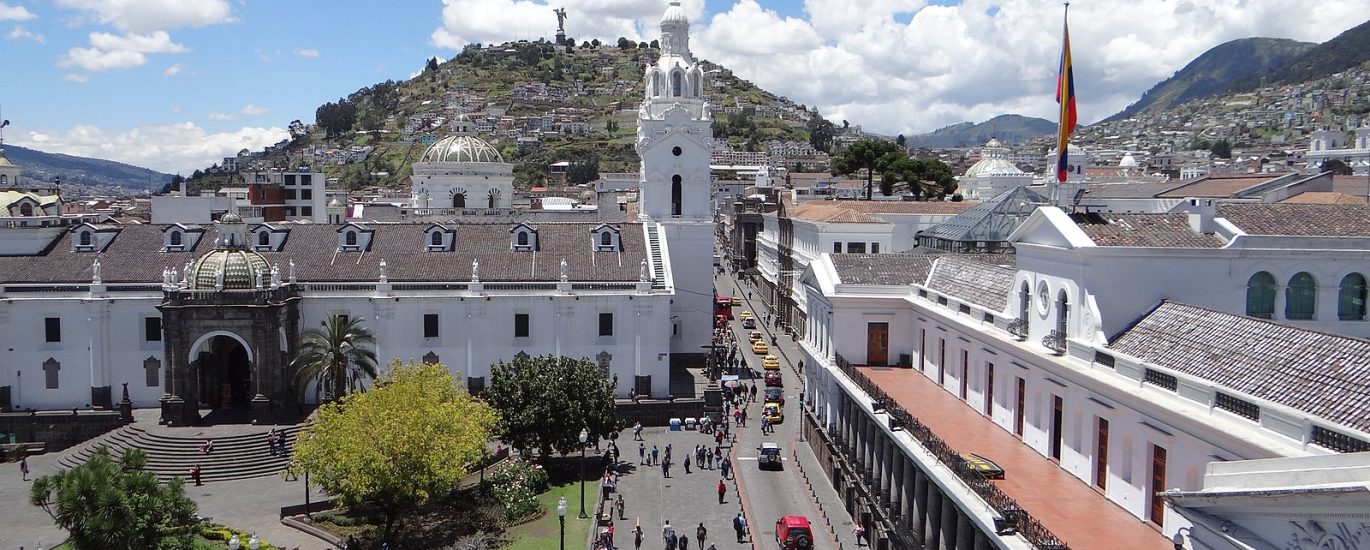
[770, 362]
[759, 347]
[737, 300]
[745, 315]
[773, 412]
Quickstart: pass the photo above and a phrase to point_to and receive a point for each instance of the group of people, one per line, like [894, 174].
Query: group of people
[677, 542]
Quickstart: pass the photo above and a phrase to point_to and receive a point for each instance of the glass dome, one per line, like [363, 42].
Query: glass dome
[461, 148]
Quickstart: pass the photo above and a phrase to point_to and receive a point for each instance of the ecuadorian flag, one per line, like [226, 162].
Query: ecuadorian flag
[1065, 95]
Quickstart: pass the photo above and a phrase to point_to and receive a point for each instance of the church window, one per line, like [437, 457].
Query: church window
[520, 325]
[152, 368]
[676, 84]
[1351, 298]
[695, 86]
[430, 325]
[264, 238]
[1062, 313]
[494, 194]
[25, 209]
[606, 324]
[437, 238]
[459, 200]
[4, 180]
[85, 238]
[52, 329]
[350, 239]
[1300, 297]
[152, 329]
[175, 238]
[1260, 295]
[676, 198]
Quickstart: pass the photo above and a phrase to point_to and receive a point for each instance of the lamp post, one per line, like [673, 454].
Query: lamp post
[561, 517]
[233, 543]
[584, 436]
[253, 543]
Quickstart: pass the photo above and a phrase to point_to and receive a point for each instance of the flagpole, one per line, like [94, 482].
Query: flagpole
[1062, 145]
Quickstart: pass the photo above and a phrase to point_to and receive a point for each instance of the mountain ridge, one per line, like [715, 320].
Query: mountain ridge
[1009, 129]
[1342, 52]
[84, 171]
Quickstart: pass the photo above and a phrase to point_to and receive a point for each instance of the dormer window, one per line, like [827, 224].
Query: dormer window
[174, 239]
[25, 209]
[525, 238]
[264, 238]
[350, 238]
[85, 238]
[605, 238]
[440, 239]
[436, 240]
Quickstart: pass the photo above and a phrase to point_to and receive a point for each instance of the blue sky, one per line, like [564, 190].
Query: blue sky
[174, 84]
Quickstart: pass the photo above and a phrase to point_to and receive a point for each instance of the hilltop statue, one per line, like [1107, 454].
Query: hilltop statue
[561, 20]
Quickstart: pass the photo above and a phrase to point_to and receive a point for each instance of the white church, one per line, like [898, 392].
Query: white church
[188, 317]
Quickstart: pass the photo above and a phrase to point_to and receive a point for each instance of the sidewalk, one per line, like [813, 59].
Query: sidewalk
[685, 499]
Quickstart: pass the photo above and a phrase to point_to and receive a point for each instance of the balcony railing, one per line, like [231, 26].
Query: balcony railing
[1055, 341]
[1016, 519]
[1019, 329]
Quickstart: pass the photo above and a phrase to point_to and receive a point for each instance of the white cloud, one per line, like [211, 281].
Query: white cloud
[76, 77]
[110, 51]
[21, 33]
[310, 53]
[171, 148]
[909, 66]
[140, 16]
[15, 13]
[253, 110]
[173, 70]
[218, 117]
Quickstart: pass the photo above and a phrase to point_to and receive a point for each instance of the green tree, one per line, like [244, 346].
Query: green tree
[585, 45]
[335, 357]
[1222, 149]
[821, 132]
[868, 155]
[336, 118]
[900, 140]
[544, 402]
[924, 175]
[625, 44]
[583, 169]
[1337, 167]
[431, 66]
[656, 45]
[393, 448]
[642, 45]
[106, 503]
[596, 43]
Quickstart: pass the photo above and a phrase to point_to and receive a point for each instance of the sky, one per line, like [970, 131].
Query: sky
[176, 85]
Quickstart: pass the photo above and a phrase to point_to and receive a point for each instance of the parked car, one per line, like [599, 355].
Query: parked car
[775, 394]
[768, 456]
[793, 533]
[759, 347]
[773, 380]
[749, 323]
[754, 336]
[746, 315]
[770, 362]
[737, 301]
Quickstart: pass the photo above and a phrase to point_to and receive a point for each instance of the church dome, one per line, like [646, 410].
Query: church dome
[993, 162]
[239, 267]
[675, 15]
[1128, 161]
[461, 148]
[230, 217]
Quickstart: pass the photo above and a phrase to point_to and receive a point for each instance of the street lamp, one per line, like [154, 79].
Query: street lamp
[561, 517]
[584, 436]
[233, 543]
[253, 543]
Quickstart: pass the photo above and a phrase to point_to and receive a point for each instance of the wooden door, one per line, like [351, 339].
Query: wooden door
[989, 390]
[1101, 455]
[877, 343]
[1057, 425]
[1157, 513]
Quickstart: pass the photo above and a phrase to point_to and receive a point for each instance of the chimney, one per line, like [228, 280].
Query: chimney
[1201, 213]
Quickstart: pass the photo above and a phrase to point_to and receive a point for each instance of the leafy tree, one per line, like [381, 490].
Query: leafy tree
[544, 402]
[1222, 149]
[642, 45]
[106, 503]
[900, 140]
[335, 357]
[393, 448]
[916, 172]
[821, 132]
[611, 126]
[867, 155]
[297, 129]
[583, 169]
[336, 118]
[596, 43]
[585, 45]
[625, 44]
[431, 66]
[656, 45]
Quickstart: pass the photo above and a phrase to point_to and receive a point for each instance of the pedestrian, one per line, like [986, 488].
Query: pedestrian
[666, 468]
[668, 452]
[737, 416]
[742, 420]
[271, 441]
[860, 533]
[718, 437]
[352, 543]
[637, 535]
[727, 468]
[739, 525]
[753, 392]
[722, 490]
[688, 458]
[668, 535]
[24, 466]
[207, 447]
[684, 542]
[637, 431]
[618, 503]
[700, 533]
[654, 456]
[641, 453]
[195, 475]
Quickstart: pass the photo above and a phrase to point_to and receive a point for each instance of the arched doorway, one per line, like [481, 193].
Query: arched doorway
[459, 200]
[223, 372]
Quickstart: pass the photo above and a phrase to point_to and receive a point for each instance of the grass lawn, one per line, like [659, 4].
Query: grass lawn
[543, 533]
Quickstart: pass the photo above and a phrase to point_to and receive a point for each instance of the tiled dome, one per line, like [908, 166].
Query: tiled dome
[240, 267]
[461, 148]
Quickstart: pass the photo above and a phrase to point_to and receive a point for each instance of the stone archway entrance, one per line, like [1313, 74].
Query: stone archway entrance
[223, 373]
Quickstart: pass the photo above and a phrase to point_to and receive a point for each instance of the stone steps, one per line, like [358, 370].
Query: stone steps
[235, 456]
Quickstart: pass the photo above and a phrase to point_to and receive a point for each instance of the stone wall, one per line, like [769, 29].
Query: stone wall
[57, 430]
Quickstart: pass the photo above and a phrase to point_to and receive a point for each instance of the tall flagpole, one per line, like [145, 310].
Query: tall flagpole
[1063, 90]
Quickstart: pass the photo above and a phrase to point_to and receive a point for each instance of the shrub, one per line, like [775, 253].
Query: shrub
[516, 486]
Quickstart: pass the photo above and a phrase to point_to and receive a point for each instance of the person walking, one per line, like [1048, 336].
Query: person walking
[700, 533]
[666, 468]
[718, 437]
[860, 533]
[727, 468]
[618, 503]
[637, 535]
[637, 431]
[24, 466]
[271, 441]
[684, 542]
[641, 453]
[688, 459]
[740, 526]
[753, 392]
[722, 490]
[654, 456]
[668, 535]
[742, 419]
[195, 475]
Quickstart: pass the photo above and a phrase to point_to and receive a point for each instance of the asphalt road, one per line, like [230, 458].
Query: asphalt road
[767, 495]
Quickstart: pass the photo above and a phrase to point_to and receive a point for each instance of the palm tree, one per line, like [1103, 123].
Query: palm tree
[336, 357]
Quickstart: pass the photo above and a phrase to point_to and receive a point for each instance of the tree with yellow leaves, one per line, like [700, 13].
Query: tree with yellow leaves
[393, 448]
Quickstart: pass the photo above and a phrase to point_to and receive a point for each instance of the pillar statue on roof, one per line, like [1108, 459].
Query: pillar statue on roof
[258, 279]
[292, 272]
[275, 275]
[384, 275]
[475, 271]
[95, 277]
[565, 276]
[642, 271]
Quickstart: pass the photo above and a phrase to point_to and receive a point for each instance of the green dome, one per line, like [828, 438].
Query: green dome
[240, 269]
[230, 217]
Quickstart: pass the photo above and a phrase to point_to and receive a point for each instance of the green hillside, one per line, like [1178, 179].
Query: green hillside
[1215, 71]
[74, 170]
[1010, 129]
[1347, 50]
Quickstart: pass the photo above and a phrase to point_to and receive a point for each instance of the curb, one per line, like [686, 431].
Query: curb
[741, 501]
[308, 529]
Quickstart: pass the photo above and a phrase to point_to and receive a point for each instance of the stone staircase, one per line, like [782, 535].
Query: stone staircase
[240, 452]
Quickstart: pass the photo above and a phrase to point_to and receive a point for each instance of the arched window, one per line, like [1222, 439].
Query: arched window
[175, 238]
[85, 238]
[437, 238]
[350, 239]
[4, 179]
[1260, 295]
[25, 209]
[494, 194]
[697, 78]
[1351, 298]
[606, 239]
[676, 206]
[523, 238]
[459, 200]
[656, 84]
[1301, 297]
[1062, 312]
[264, 238]
[676, 86]
[1024, 300]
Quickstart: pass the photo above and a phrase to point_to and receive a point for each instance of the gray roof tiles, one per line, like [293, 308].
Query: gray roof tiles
[882, 269]
[985, 280]
[1313, 220]
[1143, 230]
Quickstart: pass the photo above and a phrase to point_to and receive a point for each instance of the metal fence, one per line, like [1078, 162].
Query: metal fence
[1014, 515]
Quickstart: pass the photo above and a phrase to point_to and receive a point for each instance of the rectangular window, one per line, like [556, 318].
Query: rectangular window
[836, 248]
[306, 210]
[430, 325]
[290, 194]
[152, 329]
[1157, 512]
[965, 374]
[941, 361]
[856, 248]
[1057, 419]
[989, 390]
[290, 180]
[875, 248]
[290, 210]
[306, 194]
[1101, 455]
[606, 324]
[52, 328]
[520, 325]
[1019, 410]
[305, 180]
[923, 349]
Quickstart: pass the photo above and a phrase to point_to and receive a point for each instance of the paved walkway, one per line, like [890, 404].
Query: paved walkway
[685, 499]
[1071, 510]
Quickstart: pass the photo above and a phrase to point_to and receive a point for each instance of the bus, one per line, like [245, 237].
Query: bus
[723, 307]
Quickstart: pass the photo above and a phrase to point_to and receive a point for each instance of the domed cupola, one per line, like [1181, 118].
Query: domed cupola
[675, 31]
[462, 146]
[231, 265]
